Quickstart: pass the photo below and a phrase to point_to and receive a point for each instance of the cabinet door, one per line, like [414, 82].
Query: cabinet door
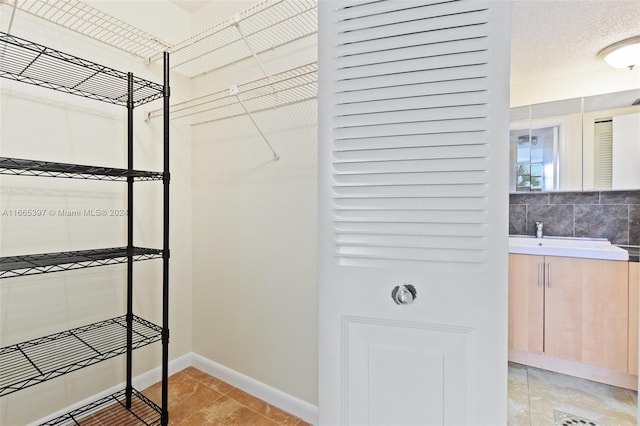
[586, 311]
[526, 298]
[634, 277]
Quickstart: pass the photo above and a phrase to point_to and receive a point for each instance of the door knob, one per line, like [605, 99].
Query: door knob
[404, 294]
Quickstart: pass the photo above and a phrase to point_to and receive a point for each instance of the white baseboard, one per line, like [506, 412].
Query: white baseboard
[151, 377]
[141, 381]
[299, 408]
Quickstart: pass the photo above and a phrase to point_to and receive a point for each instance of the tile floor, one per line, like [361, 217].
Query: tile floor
[536, 398]
[198, 399]
[543, 398]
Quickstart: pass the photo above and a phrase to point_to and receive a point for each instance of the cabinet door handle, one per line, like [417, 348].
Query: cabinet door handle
[540, 274]
[548, 275]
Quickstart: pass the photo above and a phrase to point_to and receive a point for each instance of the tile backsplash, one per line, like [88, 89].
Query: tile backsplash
[614, 215]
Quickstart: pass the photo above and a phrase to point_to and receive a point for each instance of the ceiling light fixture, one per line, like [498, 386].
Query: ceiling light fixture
[622, 54]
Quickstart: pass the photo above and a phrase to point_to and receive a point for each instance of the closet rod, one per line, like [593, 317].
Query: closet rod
[305, 95]
[269, 49]
[293, 80]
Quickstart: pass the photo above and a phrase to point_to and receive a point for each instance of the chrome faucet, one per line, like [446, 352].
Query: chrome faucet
[539, 229]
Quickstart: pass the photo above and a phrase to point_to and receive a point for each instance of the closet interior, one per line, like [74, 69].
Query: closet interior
[246, 36]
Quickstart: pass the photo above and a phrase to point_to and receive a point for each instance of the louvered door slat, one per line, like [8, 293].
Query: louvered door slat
[411, 154]
[410, 53]
[410, 166]
[382, 30]
[430, 178]
[359, 255]
[362, 8]
[425, 126]
[410, 133]
[475, 70]
[444, 190]
[436, 62]
[412, 216]
[427, 230]
[478, 203]
[415, 140]
[411, 241]
[445, 35]
[416, 102]
[463, 85]
[454, 112]
[403, 52]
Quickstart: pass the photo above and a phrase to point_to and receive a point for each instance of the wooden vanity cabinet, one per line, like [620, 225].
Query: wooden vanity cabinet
[568, 309]
[586, 311]
[634, 278]
[526, 303]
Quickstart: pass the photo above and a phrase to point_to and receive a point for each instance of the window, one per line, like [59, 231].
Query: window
[532, 159]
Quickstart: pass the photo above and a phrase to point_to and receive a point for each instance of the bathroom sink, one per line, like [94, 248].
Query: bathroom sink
[569, 247]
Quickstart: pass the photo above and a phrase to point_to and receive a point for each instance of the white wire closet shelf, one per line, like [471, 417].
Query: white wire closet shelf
[265, 26]
[90, 22]
[285, 88]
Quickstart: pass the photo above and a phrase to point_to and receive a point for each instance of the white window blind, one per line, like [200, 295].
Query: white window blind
[603, 138]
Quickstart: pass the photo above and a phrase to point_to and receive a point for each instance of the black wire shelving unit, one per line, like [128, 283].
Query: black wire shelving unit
[112, 410]
[31, 264]
[35, 361]
[29, 363]
[28, 62]
[22, 167]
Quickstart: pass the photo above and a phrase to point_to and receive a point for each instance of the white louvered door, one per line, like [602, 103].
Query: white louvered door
[413, 187]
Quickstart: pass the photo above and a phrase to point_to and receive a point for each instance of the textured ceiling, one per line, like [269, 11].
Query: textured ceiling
[559, 38]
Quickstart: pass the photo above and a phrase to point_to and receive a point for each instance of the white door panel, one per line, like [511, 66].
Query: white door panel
[404, 370]
[413, 177]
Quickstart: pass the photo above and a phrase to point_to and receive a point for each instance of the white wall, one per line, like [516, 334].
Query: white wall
[254, 221]
[532, 90]
[43, 124]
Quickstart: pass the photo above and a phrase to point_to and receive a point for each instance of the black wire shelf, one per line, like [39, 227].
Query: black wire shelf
[31, 264]
[112, 410]
[18, 166]
[32, 63]
[35, 361]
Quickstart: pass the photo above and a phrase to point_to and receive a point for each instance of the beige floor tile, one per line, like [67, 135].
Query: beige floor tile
[196, 398]
[202, 398]
[226, 412]
[536, 398]
[263, 408]
[209, 381]
[518, 391]
[604, 404]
